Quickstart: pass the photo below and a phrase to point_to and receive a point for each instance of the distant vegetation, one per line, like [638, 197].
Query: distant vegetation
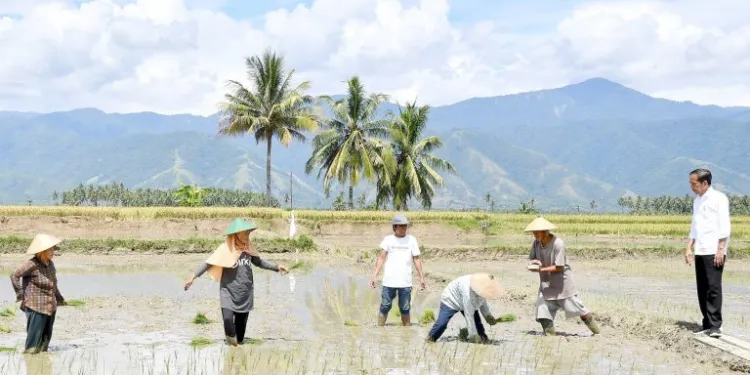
[666, 205]
[116, 194]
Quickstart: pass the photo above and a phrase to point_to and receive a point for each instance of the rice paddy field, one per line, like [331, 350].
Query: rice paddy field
[125, 268]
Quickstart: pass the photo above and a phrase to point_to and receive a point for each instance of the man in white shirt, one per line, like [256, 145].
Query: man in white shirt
[709, 236]
[468, 295]
[399, 252]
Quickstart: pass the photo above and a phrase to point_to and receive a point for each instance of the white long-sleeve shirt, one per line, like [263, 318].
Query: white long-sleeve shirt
[459, 296]
[710, 222]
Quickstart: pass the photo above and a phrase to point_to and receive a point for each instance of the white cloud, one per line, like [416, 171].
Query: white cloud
[168, 56]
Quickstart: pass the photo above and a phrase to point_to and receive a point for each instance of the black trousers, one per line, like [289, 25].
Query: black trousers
[708, 280]
[235, 323]
[38, 330]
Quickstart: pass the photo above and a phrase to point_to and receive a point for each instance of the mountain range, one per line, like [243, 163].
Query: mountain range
[595, 140]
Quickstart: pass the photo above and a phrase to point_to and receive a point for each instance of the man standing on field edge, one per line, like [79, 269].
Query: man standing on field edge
[709, 236]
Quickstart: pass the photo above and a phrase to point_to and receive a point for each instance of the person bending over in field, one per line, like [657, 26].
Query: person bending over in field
[231, 264]
[398, 251]
[468, 295]
[556, 288]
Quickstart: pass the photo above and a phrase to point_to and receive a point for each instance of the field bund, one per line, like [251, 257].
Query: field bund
[180, 230]
[128, 266]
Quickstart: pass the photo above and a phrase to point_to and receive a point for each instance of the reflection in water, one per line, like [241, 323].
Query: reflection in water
[39, 364]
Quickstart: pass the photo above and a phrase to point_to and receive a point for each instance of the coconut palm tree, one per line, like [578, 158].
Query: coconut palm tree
[270, 108]
[351, 146]
[415, 175]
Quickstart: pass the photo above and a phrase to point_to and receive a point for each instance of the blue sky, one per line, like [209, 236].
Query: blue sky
[173, 56]
[523, 15]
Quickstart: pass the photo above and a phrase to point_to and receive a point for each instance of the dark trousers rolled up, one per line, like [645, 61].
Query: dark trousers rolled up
[38, 331]
[445, 315]
[708, 280]
[235, 324]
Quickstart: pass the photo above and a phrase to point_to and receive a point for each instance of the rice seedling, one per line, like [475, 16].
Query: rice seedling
[463, 334]
[200, 342]
[301, 266]
[350, 323]
[201, 318]
[252, 341]
[428, 316]
[74, 303]
[7, 349]
[8, 312]
[506, 318]
[4, 328]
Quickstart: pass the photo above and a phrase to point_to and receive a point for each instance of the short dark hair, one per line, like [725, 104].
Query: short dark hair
[704, 175]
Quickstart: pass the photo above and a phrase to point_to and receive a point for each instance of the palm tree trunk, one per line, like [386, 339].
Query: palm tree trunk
[269, 141]
[351, 197]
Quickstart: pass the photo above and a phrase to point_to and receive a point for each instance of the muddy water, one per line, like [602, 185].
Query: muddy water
[141, 323]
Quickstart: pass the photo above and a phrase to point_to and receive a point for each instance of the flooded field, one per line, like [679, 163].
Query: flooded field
[137, 319]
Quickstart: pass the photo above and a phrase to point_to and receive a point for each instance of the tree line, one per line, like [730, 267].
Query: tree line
[671, 205]
[116, 194]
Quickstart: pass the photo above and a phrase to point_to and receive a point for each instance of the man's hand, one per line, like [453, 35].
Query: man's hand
[372, 283]
[283, 269]
[491, 320]
[688, 257]
[422, 284]
[719, 258]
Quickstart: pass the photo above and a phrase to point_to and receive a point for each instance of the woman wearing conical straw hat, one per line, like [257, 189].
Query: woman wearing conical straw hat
[35, 284]
[231, 264]
[468, 295]
[556, 288]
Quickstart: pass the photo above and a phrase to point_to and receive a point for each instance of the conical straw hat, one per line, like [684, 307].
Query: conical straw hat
[539, 224]
[42, 242]
[486, 286]
[239, 225]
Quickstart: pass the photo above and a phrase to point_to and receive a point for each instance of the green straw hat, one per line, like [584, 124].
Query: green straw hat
[239, 225]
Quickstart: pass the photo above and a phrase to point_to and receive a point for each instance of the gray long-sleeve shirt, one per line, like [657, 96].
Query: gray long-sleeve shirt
[236, 286]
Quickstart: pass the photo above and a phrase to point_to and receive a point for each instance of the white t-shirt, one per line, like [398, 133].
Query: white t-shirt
[398, 263]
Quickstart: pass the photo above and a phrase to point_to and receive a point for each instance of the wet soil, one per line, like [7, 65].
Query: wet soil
[138, 319]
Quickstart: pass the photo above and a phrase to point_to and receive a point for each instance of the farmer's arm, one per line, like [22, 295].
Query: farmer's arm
[418, 266]
[469, 310]
[558, 261]
[202, 268]
[379, 264]
[381, 259]
[15, 277]
[533, 257]
[58, 296]
[415, 253]
[264, 264]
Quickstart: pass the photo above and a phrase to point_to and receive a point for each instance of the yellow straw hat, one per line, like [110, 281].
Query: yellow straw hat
[486, 286]
[540, 224]
[42, 242]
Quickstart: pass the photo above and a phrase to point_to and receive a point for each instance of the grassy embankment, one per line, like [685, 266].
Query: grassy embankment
[619, 234]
